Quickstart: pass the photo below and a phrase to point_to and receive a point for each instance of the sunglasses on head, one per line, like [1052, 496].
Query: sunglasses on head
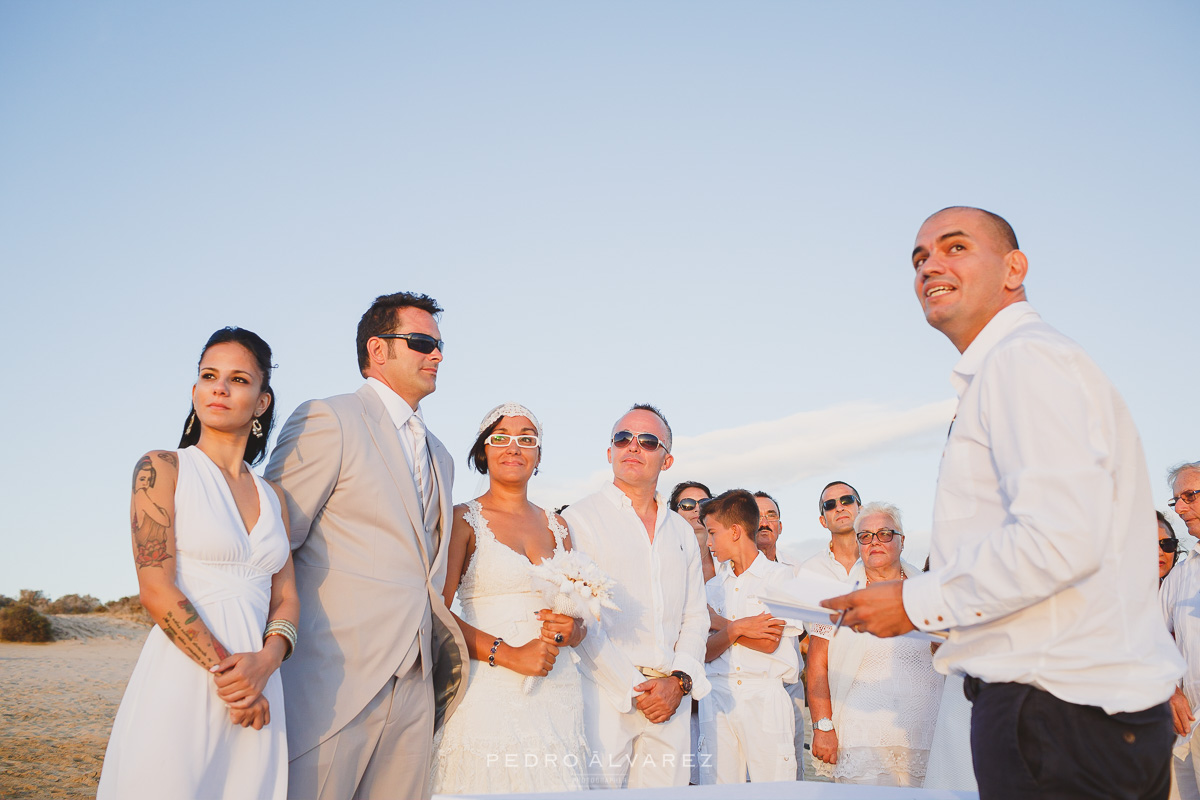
[421, 342]
[646, 441]
[1168, 545]
[846, 500]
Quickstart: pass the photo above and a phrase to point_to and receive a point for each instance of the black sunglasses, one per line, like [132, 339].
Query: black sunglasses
[421, 342]
[846, 500]
[1168, 545]
[647, 441]
[691, 503]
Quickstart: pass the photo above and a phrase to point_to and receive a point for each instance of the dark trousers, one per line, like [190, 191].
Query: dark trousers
[1027, 743]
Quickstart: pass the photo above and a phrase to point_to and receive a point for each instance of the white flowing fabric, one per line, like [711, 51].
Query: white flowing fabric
[172, 736]
[501, 739]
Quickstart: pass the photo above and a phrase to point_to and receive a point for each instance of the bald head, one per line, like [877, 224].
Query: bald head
[1005, 236]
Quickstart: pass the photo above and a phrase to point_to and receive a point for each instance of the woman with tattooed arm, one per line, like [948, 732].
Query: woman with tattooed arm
[202, 714]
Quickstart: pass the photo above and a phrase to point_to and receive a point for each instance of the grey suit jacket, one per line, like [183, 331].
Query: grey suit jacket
[368, 589]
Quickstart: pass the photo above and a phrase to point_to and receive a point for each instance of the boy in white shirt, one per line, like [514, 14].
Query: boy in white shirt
[746, 722]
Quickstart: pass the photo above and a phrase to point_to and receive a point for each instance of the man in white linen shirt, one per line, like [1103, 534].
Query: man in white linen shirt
[838, 506]
[1043, 557]
[770, 528]
[1180, 598]
[648, 655]
[746, 719]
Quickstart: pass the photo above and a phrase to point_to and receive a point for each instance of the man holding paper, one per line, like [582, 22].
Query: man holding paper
[1042, 560]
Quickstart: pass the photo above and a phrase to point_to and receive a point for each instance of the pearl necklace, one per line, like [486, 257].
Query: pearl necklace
[902, 576]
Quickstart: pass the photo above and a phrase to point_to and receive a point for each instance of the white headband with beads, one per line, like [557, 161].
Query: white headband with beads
[509, 410]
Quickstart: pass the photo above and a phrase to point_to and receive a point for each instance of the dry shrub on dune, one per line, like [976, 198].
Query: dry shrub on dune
[22, 623]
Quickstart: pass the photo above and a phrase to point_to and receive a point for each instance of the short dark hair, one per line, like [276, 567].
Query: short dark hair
[853, 491]
[1000, 226]
[761, 493]
[654, 410]
[734, 507]
[384, 315]
[682, 487]
[256, 446]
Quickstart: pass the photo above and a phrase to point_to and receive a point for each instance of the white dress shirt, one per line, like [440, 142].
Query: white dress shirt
[1043, 555]
[736, 597]
[1180, 597]
[659, 586]
[826, 563]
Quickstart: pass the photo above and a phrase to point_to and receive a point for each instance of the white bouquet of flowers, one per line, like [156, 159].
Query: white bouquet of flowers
[573, 585]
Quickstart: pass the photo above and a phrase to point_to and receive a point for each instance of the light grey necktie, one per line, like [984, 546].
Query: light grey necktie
[420, 450]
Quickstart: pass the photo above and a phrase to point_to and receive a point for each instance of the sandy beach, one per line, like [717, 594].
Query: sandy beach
[57, 703]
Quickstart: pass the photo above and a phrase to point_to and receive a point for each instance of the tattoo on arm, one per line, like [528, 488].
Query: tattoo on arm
[148, 520]
[170, 459]
[149, 539]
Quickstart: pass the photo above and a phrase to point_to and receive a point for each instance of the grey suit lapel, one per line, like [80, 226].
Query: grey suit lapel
[383, 432]
[441, 467]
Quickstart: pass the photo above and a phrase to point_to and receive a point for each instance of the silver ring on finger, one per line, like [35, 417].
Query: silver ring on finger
[558, 638]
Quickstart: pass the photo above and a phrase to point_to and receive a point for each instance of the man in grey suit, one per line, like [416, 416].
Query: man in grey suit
[369, 496]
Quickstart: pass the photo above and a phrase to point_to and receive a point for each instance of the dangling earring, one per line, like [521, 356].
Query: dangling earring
[256, 428]
[191, 419]
[535, 470]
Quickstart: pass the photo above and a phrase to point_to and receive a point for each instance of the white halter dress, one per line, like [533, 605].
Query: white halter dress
[172, 736]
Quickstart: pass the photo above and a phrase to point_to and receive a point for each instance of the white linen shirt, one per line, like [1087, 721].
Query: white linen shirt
[826, 563]
[736, 597]
[1180, 597]
[1042, 554]
[659, 586]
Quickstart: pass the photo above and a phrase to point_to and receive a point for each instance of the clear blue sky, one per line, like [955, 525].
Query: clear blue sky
[707, 206]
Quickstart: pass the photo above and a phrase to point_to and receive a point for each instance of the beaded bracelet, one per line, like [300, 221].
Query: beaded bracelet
[492, 657]
[284, 628]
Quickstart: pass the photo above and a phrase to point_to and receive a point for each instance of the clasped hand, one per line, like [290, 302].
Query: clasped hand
[659, 698]
[240, 680]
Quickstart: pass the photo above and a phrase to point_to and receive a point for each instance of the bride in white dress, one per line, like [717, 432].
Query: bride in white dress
[213, 564]
[502, 738]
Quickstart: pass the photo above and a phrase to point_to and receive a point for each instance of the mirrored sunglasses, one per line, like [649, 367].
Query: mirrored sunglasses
[846, 500]
[646, 441]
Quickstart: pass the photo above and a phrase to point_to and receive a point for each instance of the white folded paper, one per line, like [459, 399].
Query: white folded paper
[799, 601]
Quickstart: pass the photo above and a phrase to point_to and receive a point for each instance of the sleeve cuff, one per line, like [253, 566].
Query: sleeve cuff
[924, 604]
[695, 671]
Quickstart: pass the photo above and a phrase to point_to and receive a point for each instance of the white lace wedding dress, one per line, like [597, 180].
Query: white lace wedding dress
[501, 739]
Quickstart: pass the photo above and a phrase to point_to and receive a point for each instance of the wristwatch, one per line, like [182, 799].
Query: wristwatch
[685, 681]
[824, 725]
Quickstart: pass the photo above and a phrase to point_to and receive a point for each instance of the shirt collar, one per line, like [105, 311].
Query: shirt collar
[621, 500]
[1003, 323]
[396, 406]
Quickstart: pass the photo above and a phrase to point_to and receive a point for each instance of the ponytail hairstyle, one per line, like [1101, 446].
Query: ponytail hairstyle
[256, 446]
